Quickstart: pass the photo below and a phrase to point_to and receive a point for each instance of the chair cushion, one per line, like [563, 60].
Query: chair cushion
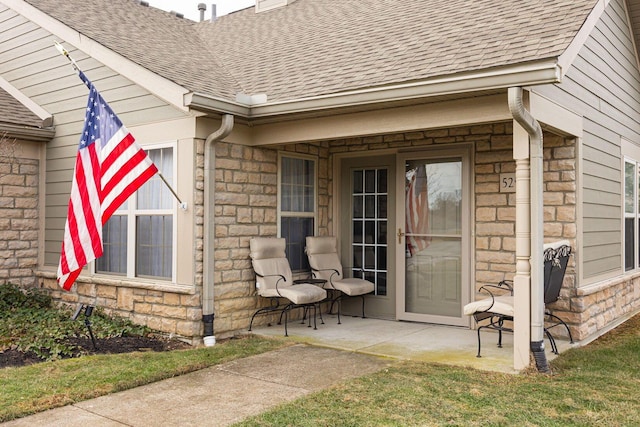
[321, 245]
[502, 304]
[273, 270]
[352, 286]
[267, 247]
[303, 293]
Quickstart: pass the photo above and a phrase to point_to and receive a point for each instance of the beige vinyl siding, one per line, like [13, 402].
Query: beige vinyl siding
[603, 85]
[56, 88]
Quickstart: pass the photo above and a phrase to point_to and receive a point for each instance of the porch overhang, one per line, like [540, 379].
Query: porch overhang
[528, 74]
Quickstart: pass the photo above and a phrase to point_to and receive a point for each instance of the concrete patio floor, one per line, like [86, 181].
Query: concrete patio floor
[408, 341]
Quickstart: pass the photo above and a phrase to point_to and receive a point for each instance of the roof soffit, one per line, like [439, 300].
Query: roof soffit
[535, 73]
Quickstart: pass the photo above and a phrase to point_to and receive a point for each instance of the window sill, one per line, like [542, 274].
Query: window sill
[124, 282]
[602, 285]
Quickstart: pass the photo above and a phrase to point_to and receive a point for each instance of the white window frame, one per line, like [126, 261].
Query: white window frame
[132, 213]
[635, 215]
[293, 214]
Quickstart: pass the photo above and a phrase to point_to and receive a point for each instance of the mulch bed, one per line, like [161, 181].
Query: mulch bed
[13, 357]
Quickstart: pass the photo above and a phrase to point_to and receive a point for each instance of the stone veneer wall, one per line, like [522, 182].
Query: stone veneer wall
[597, 308]
[246, 206]
[19, 178]
[495, 212]
[246, 200]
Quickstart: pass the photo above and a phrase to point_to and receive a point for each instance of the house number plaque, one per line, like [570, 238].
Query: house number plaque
[507, 182]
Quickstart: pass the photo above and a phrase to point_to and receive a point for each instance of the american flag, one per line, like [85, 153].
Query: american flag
[417, 211]
[110, 167]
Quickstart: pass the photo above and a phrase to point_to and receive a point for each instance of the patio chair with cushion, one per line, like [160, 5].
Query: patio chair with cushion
[274, 281]
[497, 310]
[325, 264]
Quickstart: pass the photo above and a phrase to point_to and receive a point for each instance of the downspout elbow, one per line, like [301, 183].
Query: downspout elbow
[225, 129]
[522, 116]
[209, 177]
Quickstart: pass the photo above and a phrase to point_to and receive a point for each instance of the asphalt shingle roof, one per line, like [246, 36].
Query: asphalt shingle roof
[319, 47]
[316, 47]
[13, 112]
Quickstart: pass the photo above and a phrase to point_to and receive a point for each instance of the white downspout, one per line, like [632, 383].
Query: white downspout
[526, 120]
[209, 185]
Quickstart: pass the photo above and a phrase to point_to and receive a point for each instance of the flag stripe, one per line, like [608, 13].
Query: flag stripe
[417, 212]
[90, 203]
[124, 171]
[110, 167]
[113, 154]
[128, 191]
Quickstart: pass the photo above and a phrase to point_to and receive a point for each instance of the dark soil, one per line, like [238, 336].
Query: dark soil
[12, 357]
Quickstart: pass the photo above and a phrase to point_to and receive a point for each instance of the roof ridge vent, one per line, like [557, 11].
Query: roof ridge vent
[177, 14]
[265, 5]
[144, 3]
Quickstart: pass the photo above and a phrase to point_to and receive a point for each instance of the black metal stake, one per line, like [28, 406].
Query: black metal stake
[88, 311]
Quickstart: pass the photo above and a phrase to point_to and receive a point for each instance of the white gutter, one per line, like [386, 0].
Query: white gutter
[209, 184]
[25, 132]
[519, 75]
[526, 120]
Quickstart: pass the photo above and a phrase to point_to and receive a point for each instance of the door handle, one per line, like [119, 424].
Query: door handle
[400, 234]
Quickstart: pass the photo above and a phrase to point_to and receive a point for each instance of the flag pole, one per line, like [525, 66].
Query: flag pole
[63, 51]
[182, 205]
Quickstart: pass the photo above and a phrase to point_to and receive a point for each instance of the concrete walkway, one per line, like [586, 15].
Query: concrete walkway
[216, 396]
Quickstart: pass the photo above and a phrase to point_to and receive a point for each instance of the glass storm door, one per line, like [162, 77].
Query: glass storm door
[432, 237]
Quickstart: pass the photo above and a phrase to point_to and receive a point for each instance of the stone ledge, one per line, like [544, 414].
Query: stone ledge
[125, 283]
[605, 284]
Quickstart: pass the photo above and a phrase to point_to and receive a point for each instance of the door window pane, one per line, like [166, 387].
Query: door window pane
[433, 215]
[369, 238]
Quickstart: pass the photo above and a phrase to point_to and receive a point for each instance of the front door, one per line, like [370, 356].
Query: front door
[432, 236]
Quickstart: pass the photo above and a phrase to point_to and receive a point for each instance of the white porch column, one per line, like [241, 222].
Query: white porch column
[522, 279]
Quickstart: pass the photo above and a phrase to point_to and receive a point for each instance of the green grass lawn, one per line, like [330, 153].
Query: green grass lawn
[596, 385]
[42, 386]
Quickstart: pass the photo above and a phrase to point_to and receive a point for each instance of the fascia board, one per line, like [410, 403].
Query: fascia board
[154, 83]
[543, 72]
[200, 101]
[571, 52]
